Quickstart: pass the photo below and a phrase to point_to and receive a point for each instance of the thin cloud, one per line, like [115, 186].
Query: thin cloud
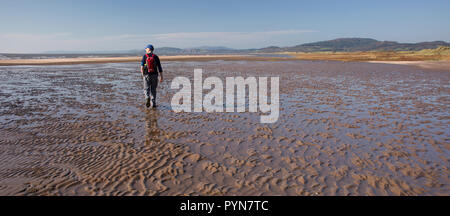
[66, 41]
[199, 35]
[34, 36]
[232, 39]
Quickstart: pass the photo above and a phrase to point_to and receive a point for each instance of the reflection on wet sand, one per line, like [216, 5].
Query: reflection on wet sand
[153, 132]
[344, 129]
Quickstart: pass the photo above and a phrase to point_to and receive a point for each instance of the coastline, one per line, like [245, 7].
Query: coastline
[68, 61]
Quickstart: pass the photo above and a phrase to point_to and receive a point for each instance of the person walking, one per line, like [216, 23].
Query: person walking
[150, 68]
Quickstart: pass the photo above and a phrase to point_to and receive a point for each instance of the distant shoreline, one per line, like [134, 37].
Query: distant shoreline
[424, 62]
[95, 60]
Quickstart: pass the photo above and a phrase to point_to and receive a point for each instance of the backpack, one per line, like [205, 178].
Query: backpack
[151, 64]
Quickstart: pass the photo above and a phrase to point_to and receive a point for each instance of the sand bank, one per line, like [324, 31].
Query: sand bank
[439, 65]
[68, 61]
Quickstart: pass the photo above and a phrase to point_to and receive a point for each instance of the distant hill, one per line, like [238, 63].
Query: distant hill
[211, 48]
[193, 50]
[358, 44]
[336, 45]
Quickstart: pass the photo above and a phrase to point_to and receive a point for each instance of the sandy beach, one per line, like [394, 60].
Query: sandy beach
[96, 60]
[345, 128]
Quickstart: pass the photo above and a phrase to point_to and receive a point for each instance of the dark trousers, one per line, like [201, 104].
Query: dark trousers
[150, 84]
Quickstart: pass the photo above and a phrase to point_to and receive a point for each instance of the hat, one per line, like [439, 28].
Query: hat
[150, 47]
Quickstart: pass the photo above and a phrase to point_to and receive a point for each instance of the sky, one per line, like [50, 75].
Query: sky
[29, 26]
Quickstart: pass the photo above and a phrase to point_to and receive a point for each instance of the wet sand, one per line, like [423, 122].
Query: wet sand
[345, 128]
[428, 64]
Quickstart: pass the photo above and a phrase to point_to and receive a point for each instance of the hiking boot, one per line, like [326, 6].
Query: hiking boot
[147, 104]
[153, 103]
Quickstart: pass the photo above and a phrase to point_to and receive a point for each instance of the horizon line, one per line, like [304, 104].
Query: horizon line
[119, 51]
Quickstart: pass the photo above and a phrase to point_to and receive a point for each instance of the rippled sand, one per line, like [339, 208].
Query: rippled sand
[344, 129]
